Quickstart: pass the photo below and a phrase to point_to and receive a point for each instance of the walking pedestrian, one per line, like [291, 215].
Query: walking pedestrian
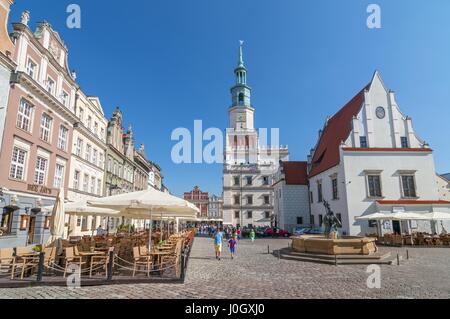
[218, 238]
[238, 232]
[252, 235]
[232, 244]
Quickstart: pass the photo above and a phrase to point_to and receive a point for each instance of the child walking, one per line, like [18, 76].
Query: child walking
[252, 235]
[232, 244]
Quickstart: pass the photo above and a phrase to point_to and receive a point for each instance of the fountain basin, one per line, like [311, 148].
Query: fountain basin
[346, 245]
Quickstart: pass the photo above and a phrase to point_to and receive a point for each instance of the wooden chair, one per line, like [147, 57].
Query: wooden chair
[174, 257]
[71, 258]
[140, 260]
[143, 250]
[7, 259]
[445, 239]
[49, 256]
[101, 261]
[25, 261]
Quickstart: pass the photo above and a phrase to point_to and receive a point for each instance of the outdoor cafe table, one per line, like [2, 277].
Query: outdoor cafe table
[159, 254]
[90, 254]
[164, 247]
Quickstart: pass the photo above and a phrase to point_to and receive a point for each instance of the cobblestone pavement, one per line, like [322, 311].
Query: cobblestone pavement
[256, 274]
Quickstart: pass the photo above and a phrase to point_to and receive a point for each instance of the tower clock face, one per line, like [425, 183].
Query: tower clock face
[381, 113]
[240, 117]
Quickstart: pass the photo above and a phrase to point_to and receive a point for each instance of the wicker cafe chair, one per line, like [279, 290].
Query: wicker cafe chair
[25, 261]
[174, 257]
[71, 258]
[139, 260]
[49, 256]
[97, 261]
[8, 260]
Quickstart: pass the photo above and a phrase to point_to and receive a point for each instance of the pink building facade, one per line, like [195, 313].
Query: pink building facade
[37, 140]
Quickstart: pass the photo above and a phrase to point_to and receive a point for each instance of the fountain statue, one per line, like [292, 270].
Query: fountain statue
[331, 223]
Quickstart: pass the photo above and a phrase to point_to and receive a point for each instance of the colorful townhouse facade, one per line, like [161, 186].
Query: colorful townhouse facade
[37, 134]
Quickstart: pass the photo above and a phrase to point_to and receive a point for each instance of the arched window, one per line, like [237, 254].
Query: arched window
[241, 98]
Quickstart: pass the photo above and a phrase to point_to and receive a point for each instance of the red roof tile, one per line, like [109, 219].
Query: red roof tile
[337, 130]
[295, 173]
[412, 202]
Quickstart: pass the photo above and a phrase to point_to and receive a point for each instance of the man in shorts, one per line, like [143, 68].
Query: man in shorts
[218, 238]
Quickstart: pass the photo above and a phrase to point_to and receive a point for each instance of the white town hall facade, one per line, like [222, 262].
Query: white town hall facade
[369, 159]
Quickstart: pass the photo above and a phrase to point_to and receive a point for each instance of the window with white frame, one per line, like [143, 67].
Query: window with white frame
[88, 153]
[81, 115]
[99, 187]
[95, 156]
[50, 86]
[89, 122]
[409, 186]
[59, 176]
[24, 115]
[41, 170]
[18, 159]
[102, 134]
[62, 138]
[46, 125]
[79, 147]
[65, 99]
[319, 192]
[76, 180]
[96, 128]
[334, 188]
[374, 185]
[92, 185]
[85, 183]
[31, 68]
[100, 159]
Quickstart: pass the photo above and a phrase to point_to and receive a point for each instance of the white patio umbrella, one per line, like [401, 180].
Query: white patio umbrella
[146, 204]
[81, 208]
[438, 216]
[57, 222]
[374, 216]
[407, 216]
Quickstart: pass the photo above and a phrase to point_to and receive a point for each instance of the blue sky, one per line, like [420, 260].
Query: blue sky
[167, 63]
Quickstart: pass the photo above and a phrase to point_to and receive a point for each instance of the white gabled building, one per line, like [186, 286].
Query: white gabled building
[369, 159]
[291, 194]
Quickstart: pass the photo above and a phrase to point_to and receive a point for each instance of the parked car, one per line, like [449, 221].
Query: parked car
[276, 232]
[300, 231]
[261, 231]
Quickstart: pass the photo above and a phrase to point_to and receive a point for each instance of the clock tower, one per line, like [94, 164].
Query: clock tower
[241, 112]
[248, 165]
